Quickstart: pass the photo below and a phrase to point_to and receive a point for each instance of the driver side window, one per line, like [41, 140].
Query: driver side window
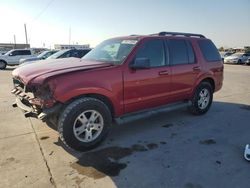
[154, 51]
[14, 53]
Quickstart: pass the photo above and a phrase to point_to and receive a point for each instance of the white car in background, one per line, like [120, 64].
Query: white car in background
[237, 58]
[225, 54]
[13, 57]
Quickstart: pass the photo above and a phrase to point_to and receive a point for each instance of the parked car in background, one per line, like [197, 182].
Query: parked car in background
[69, 53]
[43, 55]
[225, 54]
[3, 52]
[237, 58]
[247, 62]
[119, 78]
[13, 57]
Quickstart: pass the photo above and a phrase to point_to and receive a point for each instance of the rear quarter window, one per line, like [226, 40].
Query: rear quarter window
[209, 51]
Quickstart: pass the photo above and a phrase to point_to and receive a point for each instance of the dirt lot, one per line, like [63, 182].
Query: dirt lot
[174, 149]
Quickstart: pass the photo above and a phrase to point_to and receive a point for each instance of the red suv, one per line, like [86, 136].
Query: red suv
[119, 78]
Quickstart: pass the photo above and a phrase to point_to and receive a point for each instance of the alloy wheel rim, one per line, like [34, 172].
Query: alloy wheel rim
[204, 99]
[88, 126]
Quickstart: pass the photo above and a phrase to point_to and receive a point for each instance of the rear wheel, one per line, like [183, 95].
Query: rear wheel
[3, 64]
[239, 61]
[202, 99]
[84, 123]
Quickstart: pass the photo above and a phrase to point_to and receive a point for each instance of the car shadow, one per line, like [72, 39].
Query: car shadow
[9, 68]
[173, 149]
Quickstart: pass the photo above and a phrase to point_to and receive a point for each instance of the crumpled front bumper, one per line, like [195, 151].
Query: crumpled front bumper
[22, 101]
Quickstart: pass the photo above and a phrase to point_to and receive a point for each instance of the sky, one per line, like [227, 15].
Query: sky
[49, 22]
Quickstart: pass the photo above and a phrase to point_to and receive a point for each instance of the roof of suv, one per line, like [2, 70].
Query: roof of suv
[166, 34]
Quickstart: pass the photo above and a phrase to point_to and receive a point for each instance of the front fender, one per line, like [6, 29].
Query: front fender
[70, 94]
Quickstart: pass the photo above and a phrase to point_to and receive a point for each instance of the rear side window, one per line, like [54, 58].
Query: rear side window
[24, 52]
[209, 51]
[154, 51]
[178, 52]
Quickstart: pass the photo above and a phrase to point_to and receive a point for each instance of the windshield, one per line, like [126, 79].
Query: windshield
[237, 54]
[42, 54]
[7, 53]
[57, 54]
[113, 50]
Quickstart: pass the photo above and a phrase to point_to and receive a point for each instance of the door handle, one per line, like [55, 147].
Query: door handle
[163, 72]
[197, 68]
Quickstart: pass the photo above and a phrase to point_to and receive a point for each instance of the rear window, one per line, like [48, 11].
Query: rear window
[209, 51]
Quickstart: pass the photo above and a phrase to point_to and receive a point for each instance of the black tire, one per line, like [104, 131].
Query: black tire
[239, 61]
[68, 119]
[3, 65]
[195, 108]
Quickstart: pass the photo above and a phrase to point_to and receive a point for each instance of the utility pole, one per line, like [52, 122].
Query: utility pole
[26, 37]
[69, 34]
[14, 41]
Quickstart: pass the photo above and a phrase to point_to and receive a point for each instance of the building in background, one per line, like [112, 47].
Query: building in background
[5, 47]
[70, 46]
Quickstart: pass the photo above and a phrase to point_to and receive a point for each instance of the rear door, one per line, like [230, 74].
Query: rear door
[146, 88]
[184, 67]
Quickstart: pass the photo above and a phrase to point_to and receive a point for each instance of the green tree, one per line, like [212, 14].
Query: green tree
[221, 49]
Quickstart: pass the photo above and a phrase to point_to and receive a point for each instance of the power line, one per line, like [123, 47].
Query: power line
[42, 11]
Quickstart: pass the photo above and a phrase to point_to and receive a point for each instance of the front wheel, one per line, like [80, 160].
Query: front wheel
[84, 123]
[202, 99]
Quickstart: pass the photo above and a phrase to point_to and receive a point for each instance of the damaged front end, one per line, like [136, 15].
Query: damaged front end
[35, 100]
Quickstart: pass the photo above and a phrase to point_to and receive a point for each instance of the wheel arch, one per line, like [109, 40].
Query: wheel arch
[209, 80]
[3, 61]
[100, 97]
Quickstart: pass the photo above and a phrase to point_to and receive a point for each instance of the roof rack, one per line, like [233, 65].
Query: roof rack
[164, 33]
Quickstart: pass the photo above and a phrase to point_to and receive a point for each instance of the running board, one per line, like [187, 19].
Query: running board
[150, 112]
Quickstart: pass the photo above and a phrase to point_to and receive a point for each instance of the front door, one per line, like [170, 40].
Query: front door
[146, 88]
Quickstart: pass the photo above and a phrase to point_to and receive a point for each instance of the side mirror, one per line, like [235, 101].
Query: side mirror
[140, 63]
[11, 54]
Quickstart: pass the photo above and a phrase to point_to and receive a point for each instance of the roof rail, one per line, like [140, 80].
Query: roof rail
[164, 33]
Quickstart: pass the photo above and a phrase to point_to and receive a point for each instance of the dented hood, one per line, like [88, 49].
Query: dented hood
[38, 71]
